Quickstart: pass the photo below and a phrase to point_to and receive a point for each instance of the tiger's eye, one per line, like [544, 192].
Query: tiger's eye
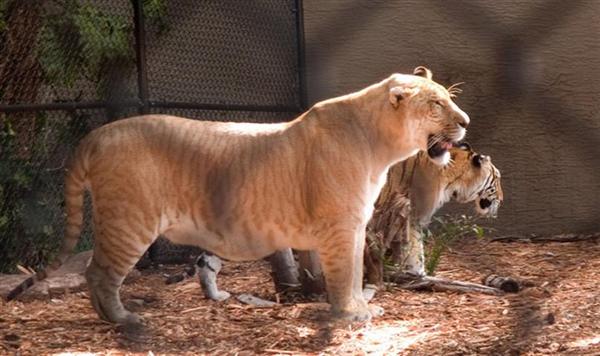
[477, 160]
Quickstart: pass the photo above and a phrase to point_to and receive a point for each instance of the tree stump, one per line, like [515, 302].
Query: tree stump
[284, 270]
[311, 274]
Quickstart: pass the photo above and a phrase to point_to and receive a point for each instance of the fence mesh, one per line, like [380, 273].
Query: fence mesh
[69, 66]
[233, 52]
[35, 147]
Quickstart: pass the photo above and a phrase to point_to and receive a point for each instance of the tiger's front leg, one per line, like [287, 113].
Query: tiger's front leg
[341, 257]
[207, 267]
[412, 255]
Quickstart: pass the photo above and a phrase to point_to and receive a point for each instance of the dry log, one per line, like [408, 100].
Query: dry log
[507, 284]
[311, 274]
[412, 282]
[70, 276]
[557, 238]
[284, 270]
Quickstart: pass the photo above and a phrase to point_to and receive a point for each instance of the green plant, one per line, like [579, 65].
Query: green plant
[31, 194]
[3, 6]
[444, 231]
[155, 12]
[26, 222]
[75, 41]
[80, 40]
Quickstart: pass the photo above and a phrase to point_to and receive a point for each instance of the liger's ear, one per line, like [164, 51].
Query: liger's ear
[401, 92]
[423, 72]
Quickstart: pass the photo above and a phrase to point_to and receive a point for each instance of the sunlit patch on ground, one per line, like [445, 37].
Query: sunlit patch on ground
[582, 343]
[387, 338]
[558, 315]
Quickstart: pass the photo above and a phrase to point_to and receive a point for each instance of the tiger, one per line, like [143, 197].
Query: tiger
[244, 190]
[206, 266]
[416, 189]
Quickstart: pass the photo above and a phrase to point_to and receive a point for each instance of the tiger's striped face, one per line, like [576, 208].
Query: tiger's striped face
[477, 180]
[490, 196]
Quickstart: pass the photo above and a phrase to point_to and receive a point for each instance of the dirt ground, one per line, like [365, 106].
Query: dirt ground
[557, 315]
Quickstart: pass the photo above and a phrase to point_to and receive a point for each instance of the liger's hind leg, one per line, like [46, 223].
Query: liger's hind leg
[112, 260]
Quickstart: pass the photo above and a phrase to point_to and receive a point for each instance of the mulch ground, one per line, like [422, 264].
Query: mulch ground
[558, 314]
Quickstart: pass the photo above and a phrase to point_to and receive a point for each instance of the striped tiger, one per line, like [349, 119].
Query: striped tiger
[416, 189]
[245, 190]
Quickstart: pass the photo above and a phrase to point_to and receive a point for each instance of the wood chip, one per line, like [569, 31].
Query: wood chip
[559, 318]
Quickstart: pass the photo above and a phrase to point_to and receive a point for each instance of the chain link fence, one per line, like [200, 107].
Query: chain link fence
[69, 66]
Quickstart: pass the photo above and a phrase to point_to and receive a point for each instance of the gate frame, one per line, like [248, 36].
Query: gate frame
[144, 104]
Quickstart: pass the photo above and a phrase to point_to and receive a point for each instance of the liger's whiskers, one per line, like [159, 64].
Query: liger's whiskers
[454, 89]
[435, 139]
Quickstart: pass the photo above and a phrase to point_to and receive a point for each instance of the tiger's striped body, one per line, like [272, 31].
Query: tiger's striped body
[243, 191]
[417, 189]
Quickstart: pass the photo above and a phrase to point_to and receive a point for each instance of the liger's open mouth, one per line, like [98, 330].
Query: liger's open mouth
[438, 146]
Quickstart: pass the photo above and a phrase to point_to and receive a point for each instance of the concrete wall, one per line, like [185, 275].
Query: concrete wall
[532, 73]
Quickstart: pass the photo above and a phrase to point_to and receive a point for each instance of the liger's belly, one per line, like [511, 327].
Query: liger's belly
[238, 240]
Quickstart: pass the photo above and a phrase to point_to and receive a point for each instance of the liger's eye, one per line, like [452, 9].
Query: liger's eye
[439, 103]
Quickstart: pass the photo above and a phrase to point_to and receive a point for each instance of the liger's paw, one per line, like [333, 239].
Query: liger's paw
[129, 318]
[357, 314]
[135, 332]
[376, 310]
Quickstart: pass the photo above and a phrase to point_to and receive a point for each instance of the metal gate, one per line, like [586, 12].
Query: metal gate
[68, 67]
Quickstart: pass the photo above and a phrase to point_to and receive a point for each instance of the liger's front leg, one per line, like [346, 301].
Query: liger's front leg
[359, 261]
[341, 255]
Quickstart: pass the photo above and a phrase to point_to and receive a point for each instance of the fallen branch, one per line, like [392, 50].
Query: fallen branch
[412, 282]
[537, 239]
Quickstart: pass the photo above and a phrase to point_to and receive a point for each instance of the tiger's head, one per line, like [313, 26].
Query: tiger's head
[436, 121]
[472, 177]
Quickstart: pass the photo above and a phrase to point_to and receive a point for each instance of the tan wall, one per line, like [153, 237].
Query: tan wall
[532, 73]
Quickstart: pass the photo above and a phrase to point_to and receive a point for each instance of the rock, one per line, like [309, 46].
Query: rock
[255, 301]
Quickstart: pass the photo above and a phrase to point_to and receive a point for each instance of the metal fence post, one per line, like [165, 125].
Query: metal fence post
[301, 55]
[140, 53]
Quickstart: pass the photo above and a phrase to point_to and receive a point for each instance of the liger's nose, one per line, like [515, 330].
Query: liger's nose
[462, 119]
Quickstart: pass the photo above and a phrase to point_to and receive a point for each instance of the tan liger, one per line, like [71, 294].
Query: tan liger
[243, 190]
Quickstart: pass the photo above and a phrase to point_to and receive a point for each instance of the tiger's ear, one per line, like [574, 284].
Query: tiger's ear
[401, 92]
[464, 145]
[423, 72]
